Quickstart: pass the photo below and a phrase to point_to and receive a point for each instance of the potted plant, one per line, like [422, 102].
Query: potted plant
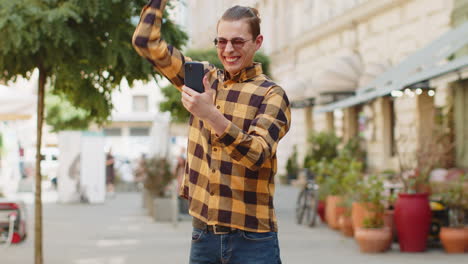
[373, 236]
[454, 237]
[412, 211]
[334, 178]
[292, 166]
[323, 148]
[157, 177]
[329, 177]
[350, 184]
[345, 222]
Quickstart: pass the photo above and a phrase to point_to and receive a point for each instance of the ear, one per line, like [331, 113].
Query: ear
[258, 42]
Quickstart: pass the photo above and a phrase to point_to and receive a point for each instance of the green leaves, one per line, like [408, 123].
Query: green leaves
[157, 175]
[292, 166]
[173, 104]
[84, 46]
[324, 146]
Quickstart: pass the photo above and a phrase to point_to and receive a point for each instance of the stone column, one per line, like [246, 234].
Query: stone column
[350, 123]
[330, 122]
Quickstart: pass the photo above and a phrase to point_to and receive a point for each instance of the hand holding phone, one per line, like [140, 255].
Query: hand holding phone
[194, 72]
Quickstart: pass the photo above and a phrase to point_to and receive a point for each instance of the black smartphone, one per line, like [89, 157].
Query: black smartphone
[194, 72]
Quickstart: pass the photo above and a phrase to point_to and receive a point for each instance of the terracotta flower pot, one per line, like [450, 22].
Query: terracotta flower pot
[373, 240]
[412, 219]
[321, 211]
[453, 239]
[331, 210]
[361, 211]
[339, 212]
[466, 239]
[346, 226]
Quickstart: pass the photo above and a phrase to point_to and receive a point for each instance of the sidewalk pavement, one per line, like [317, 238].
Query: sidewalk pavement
[118, 232]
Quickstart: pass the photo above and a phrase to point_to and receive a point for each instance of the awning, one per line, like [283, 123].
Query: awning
[295, 88]
[301, 93]
[371, 71]
[417, 78]
[421, 66]
[338, 78]
[16, 104]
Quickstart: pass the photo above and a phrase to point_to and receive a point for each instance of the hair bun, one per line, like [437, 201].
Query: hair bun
[256, 13]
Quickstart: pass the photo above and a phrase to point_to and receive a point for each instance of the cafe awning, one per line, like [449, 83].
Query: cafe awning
[339, 78]
[425, 64]
[16, 104]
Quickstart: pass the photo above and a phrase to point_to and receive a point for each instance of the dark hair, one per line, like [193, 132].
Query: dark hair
[243, 12]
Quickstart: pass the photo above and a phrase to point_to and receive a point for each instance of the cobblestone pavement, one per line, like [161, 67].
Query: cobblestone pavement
[118, 232]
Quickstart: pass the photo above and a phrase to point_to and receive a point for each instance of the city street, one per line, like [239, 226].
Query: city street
[118, 232]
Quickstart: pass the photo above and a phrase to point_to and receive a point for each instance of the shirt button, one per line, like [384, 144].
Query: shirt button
[218, 106]
[213, 170]
[215, 149]
[211, 193]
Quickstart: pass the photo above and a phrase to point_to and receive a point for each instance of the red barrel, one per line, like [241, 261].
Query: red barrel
[413, 220]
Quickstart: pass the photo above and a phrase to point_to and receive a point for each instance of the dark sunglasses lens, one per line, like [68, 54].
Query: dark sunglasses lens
[238, 43]
[222, 43]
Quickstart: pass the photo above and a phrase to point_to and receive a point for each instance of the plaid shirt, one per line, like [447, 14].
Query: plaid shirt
[229, 179]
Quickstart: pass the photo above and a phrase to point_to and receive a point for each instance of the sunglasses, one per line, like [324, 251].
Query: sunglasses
[237, 43]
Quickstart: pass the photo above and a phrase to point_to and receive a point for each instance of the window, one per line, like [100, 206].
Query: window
[140, 103]
[139, 131]
[112, 132]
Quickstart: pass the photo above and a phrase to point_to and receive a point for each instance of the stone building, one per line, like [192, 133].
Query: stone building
[377, 69]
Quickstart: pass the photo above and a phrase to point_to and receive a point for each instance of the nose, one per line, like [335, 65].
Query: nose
[229, 47]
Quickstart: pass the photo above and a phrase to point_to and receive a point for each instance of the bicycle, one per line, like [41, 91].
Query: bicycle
[307, 201]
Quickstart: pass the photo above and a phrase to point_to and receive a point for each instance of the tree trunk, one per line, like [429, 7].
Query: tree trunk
[38, 256]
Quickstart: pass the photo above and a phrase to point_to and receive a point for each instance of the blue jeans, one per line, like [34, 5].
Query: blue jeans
[239, 247]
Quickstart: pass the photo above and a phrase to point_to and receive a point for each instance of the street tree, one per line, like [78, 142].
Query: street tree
[172, 102]
[82, 50]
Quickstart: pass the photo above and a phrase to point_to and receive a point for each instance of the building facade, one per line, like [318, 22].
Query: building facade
[326, 52]
[135, 109]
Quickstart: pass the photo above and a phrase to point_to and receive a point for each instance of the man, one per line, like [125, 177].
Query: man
[110, 174]
[235, 128]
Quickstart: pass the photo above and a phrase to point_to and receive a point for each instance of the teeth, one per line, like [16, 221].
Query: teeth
[231, 59]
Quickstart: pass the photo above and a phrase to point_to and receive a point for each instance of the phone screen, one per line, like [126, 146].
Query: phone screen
[194, 72]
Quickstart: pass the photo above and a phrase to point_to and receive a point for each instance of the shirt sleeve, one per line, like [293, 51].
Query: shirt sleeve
[147, 41]
[259, 143]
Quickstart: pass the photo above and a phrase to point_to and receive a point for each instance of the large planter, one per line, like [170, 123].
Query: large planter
[346, 225]
[147, 201]
[164, 210]
[466, 239]
[321, 211]
[332, 211]
[412, 219]
[373, 240]
[359, 212]
[453, 239]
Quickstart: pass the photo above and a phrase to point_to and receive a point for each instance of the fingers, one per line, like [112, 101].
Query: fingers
[187, 98]
[189, 91]
[206, 84]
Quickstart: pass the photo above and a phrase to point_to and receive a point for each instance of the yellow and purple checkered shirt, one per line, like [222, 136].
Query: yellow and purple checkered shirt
[229, 179]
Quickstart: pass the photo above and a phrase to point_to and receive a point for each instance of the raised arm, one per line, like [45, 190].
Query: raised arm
[147, 41]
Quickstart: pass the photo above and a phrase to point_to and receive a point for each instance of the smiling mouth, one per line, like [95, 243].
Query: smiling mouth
[231, 59]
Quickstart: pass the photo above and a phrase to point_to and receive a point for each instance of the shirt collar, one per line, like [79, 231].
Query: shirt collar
[246, 73]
